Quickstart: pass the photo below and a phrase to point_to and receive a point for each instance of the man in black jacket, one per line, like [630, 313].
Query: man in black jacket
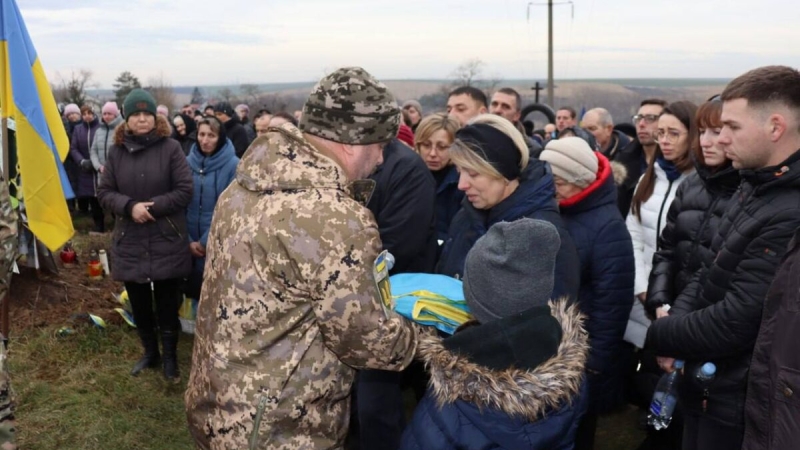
[233, 127]
[507, 103]
[771, 412]
[638, 153]
[716, 318]
[403, 205]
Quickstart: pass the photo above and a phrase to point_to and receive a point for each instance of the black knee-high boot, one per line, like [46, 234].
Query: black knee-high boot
[169, 346]
[151, 359]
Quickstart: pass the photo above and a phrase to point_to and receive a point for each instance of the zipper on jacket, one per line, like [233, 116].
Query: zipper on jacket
[262, 405]
[200, 204]
[180, 236]
[661, 213]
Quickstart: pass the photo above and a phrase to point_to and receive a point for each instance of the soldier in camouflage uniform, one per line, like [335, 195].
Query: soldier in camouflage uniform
[290, 308]
[8, 247]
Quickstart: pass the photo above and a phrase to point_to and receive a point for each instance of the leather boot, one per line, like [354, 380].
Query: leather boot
[151, 358]
[169, 346]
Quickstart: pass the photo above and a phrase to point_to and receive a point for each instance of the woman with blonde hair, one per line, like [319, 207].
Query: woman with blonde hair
[503, 184]
[432, 140]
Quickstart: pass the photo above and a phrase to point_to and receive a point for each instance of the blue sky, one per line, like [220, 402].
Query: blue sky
[243, 41]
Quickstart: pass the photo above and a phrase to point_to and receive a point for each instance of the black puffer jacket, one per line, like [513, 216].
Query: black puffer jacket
[685, 244]
[717, 316]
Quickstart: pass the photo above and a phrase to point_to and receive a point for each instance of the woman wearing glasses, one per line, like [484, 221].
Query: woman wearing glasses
[684, 247]
[670, 166]
[432, 140]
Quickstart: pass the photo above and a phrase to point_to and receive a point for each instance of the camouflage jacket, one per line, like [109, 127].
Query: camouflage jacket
[7, 405]
[8, 253]
[289, 307]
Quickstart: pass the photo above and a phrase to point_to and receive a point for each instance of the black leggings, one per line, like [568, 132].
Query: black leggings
[168, 298]
[98, 216]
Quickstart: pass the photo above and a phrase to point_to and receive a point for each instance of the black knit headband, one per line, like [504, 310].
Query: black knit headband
[494, 146]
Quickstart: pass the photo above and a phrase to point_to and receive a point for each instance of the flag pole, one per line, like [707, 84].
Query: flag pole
[4, 324]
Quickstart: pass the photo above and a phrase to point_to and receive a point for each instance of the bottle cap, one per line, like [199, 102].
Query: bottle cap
[678, 364]
[708, 369]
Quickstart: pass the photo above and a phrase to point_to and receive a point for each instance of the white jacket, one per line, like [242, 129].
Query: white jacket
[644, 236]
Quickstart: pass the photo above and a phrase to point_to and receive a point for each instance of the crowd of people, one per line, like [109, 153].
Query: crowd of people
[592, 256]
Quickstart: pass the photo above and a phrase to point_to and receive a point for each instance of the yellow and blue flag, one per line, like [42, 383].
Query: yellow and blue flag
[42, 143]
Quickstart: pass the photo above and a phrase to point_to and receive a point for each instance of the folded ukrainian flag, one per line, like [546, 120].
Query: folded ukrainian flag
[433, 300]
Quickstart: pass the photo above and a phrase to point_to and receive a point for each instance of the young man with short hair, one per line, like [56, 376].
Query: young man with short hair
[566, 117]
[466, 102]
[717, 316]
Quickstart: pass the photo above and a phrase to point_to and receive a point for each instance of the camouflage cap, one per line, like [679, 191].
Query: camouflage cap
[351, 107]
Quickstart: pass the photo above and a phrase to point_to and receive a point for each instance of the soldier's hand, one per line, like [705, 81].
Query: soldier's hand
[141, 214]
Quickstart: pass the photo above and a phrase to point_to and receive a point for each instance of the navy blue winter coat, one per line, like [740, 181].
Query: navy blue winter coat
[533, 199]
[469, 406]
[608, 270]
[448, 202]
[211, 175]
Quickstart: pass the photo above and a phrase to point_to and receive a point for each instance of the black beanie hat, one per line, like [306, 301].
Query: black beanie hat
[494, 146]
[138, 100]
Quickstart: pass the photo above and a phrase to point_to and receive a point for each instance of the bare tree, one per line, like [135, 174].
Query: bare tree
[250, 92]
[73, 89]
[161, 90]
[225, 94]
[468, 73]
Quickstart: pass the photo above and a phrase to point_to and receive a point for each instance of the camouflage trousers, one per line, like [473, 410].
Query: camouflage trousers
[7, 401]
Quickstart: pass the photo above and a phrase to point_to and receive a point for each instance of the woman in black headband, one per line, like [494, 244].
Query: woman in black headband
[502, 183]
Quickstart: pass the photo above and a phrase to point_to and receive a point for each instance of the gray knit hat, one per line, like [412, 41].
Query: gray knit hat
[571, 159]
[511, 269]
[351, 107]
[413, 104]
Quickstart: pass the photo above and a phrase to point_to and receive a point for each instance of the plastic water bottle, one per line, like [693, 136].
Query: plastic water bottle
[665, 398]
[705, 375]
[706, 372]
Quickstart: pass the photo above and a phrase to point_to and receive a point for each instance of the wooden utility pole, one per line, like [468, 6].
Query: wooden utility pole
[550, 81]
[550, 78]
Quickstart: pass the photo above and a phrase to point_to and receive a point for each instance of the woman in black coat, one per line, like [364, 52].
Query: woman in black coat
[147, 184]
[694, 216]
[685, 244]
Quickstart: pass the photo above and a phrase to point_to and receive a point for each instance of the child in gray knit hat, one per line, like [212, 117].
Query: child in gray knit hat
[511, 269]
[516, 380]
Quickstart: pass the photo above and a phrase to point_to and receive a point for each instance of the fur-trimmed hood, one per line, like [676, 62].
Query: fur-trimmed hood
[521, 393]
[619, 172]
[163, 130]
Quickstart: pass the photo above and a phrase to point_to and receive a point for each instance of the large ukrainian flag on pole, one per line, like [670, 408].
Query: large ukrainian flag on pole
[42, 142]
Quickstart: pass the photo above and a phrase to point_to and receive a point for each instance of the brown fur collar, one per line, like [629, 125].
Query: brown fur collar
[162, 129]
[619, 172]
[527, 393]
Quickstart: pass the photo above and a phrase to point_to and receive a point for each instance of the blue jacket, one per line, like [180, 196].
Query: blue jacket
[469, 406]
[608, 270]
[211, 175]
[448, 202]
[534, 199]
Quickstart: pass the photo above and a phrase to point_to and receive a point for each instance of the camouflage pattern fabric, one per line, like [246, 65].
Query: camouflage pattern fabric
[289, 308]
[351, 107]
[8, 247]
[7, 405]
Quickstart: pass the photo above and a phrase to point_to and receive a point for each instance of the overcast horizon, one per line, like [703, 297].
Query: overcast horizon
[201, 43]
